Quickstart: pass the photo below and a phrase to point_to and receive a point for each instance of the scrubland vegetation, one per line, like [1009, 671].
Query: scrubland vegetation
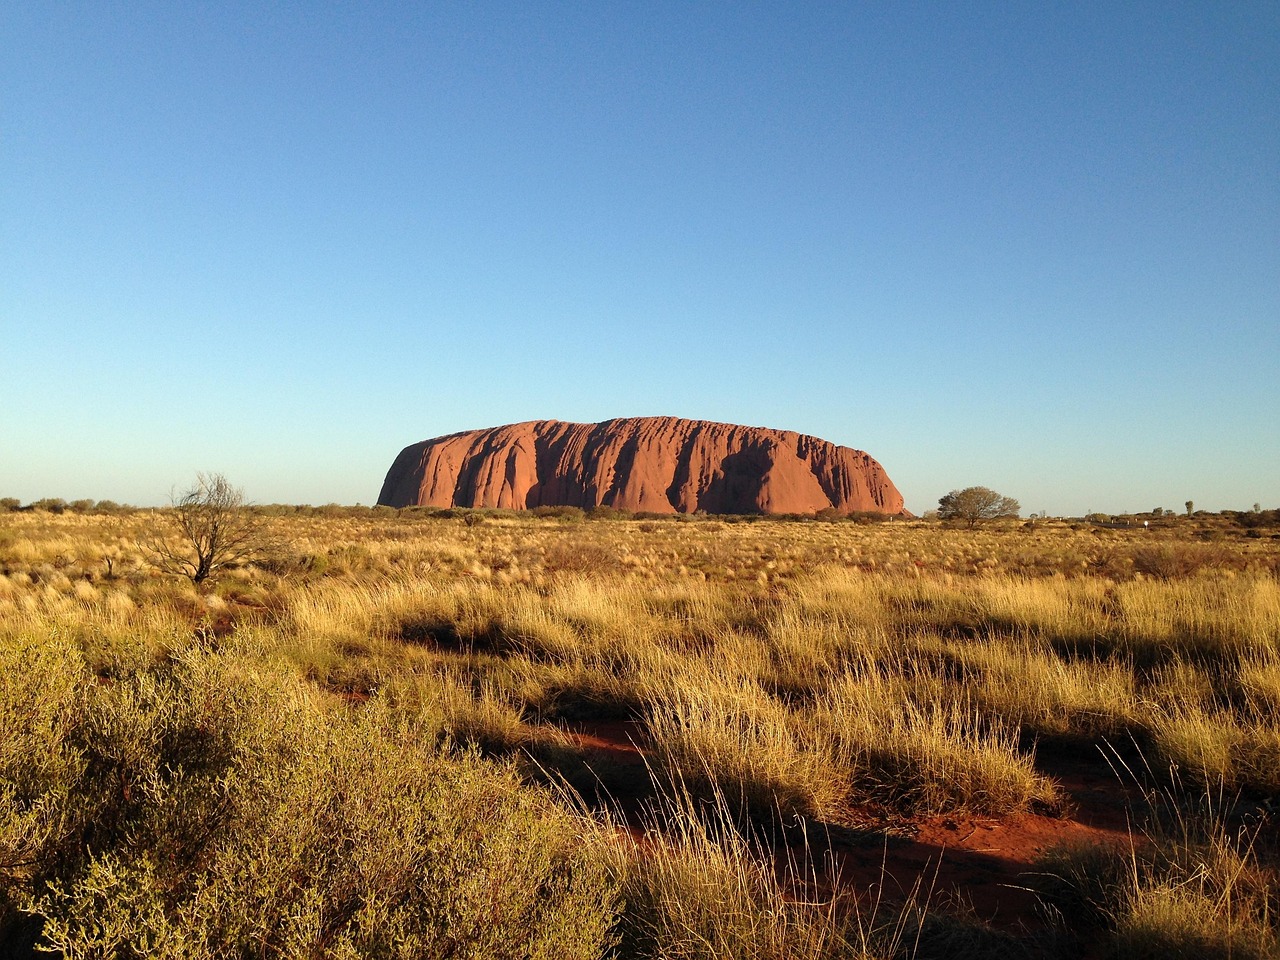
[424, 734]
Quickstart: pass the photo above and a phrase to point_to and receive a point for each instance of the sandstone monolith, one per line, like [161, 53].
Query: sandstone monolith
[653, 464]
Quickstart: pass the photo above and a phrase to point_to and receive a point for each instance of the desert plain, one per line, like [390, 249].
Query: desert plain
[482, 733]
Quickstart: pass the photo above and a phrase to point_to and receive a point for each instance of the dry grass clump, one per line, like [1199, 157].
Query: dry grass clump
[1218, 746]
[1257, 685]
[870, 738]
[698, 888]
[745, 747]
[1208, 620]
[1033, 688]
[928, 755]
[1198, 881]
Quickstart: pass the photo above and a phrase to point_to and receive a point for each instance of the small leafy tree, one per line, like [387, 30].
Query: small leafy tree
[208, 529]
[1191, 506]
[976, 503]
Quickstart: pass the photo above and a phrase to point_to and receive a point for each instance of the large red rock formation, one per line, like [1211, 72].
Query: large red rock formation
[654, 464]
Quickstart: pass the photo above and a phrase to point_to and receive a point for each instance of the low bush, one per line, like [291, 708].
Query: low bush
[570, 514]
[208, 810]
[1175, 561]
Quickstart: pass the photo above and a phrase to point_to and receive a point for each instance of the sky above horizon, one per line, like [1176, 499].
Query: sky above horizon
[1032, 247]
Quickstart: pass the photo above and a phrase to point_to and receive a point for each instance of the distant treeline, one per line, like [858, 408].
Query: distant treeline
[58, 505]
[1249, 519]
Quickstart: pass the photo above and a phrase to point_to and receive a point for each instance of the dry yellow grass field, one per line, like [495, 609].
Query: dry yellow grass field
[407, 734]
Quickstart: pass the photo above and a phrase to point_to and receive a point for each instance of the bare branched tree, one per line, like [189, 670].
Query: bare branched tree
[208, 528]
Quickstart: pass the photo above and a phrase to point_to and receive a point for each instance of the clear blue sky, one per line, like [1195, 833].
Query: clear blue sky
[1029, 246]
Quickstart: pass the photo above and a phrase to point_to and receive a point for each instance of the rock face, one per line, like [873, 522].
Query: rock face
[654, 464]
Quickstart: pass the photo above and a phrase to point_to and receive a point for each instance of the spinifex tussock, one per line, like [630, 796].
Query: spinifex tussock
[697, 887]
[739, 744]
[1198, 879]
[927, 756]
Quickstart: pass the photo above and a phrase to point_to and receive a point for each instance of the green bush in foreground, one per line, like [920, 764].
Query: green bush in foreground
[211, 808]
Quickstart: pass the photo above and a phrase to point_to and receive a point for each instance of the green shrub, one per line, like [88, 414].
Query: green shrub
[42, 700]
[214, 807]
[603, 512]
[566, 513]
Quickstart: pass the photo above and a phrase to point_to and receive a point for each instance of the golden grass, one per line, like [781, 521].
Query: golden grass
[773, 669]
[698, 888]
[1198, 880]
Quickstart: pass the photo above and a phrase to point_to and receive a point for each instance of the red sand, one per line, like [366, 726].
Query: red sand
[984, 863]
